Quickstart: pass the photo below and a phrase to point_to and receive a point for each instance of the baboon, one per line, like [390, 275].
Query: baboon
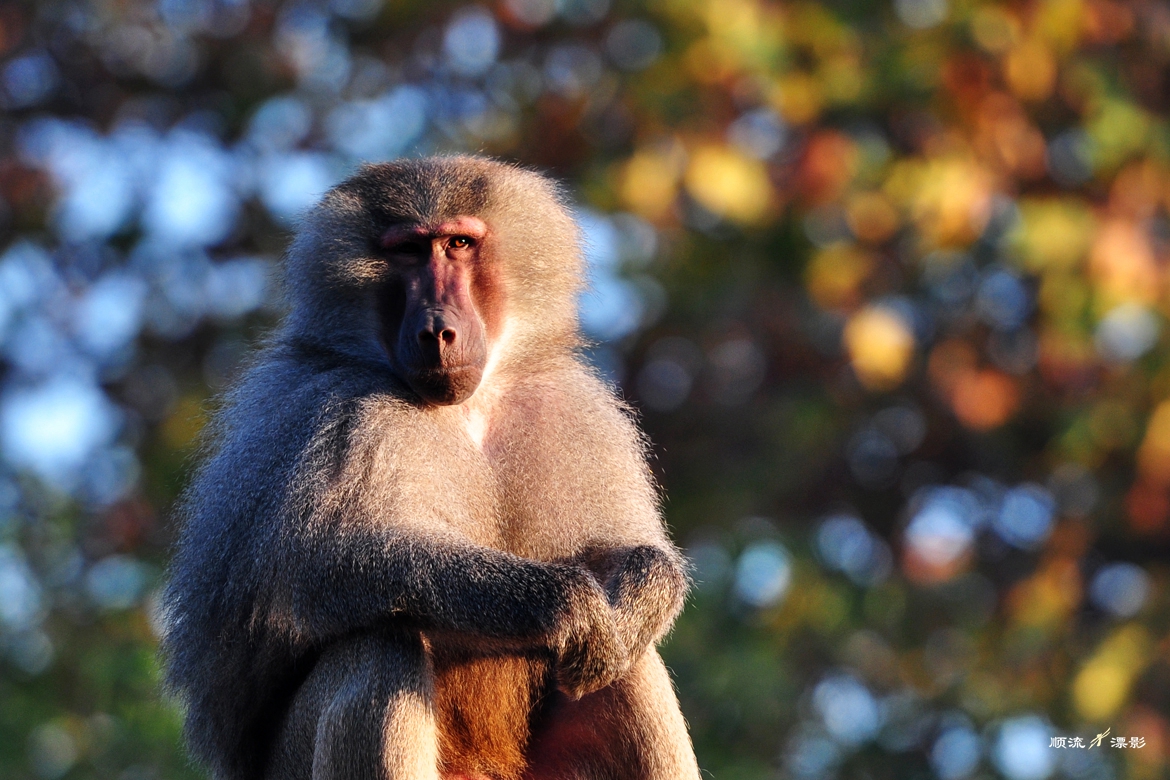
[424, 542]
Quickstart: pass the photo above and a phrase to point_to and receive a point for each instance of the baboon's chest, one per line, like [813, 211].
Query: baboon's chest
[502, 474]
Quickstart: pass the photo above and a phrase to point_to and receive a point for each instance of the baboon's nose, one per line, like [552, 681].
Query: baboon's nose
[444, 338]
[437, 334]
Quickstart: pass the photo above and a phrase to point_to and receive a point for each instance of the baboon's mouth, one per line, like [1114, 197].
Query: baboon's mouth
[445, 385]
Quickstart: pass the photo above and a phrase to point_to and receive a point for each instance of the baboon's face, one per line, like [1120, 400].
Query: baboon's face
[440, 311]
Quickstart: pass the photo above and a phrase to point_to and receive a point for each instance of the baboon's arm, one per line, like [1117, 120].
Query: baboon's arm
[487, 598]
[356, 577]
[646, 586]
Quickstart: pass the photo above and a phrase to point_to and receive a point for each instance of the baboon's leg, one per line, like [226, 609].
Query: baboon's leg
[363, 713]
[630, 730]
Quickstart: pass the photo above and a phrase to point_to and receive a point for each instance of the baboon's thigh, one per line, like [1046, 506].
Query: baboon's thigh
[363, 713]
[631, 730]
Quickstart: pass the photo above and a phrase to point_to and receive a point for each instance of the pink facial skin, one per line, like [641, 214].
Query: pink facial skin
[438, 309]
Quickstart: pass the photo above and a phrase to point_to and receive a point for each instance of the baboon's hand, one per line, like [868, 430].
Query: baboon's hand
[589, 651]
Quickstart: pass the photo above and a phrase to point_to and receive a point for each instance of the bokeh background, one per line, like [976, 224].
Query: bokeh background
[886, 281]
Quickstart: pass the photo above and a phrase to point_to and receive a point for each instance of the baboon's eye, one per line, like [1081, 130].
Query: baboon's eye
[460, 242]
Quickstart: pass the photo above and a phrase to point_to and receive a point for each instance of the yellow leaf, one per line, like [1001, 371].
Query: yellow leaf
[1054, 233]
[1104, 682]
[729, 184]
[880, 346]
